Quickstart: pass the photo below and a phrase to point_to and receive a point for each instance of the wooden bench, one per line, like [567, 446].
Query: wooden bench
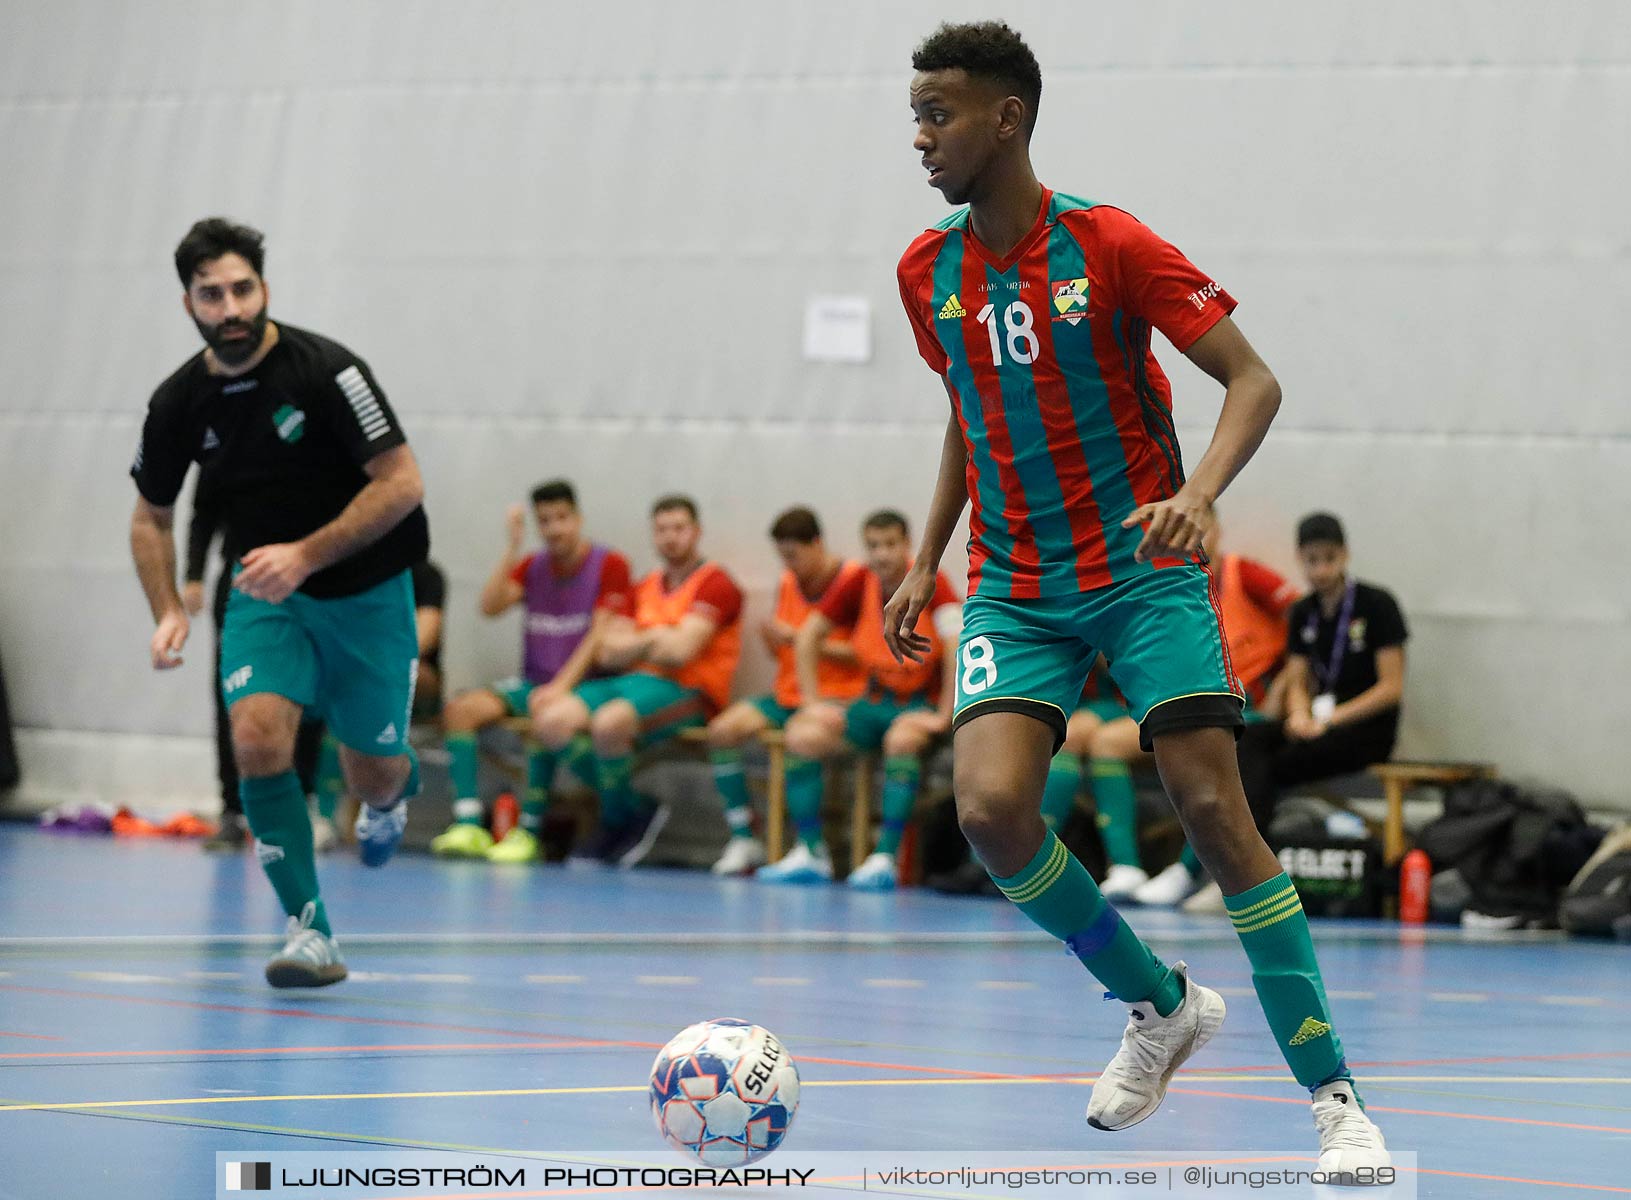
[1399, 777]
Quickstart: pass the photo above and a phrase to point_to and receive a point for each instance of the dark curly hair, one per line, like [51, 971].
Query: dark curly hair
[212, 237]
[987, 49]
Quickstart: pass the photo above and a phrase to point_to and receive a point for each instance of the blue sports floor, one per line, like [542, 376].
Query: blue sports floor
[519, 1008]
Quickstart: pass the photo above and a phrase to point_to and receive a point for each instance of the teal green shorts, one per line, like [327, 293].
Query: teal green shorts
[777, 714]
[1159, 632]
[351, 660]
[867, 720]
[665, 708]
[515, 692]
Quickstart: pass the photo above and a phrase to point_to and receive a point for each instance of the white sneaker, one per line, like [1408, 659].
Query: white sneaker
[324, 837]
[1168, 889]
[308, 958]
[1135, 1082]
[876, 874]
[743, 855]
[1122, 880]
[1350, 1143]
[1206, 902]
[799, 865]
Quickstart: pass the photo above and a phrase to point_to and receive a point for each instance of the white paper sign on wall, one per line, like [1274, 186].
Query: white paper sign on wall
[838, 329]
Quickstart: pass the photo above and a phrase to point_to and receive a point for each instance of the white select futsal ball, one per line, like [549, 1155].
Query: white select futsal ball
[724, 1092]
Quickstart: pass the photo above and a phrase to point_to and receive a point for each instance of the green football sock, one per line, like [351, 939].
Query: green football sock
[618, 802]
[276, 809]
[900, 776]
[804, 799]
[1191, 861]
[1059, 792]
[1270, 923]
[1117, 803]
[733, 790]
[1055, 891]
[330, 779]
[579, 759]
[540, 775]
[461, 750]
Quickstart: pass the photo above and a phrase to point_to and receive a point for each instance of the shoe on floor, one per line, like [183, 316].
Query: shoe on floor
[1133, 1084]
[799, 865]
[233, 834]
[1122, 880]
[743, 856]
[517, 846]
[379, 832]
[1168, 889]
[1206, 902]
[462, 841]
[594, 850]
[1350, 1143]
[308, 959]
[876, 874]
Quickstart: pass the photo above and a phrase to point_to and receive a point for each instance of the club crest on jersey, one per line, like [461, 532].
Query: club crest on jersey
[1069, 299]
[952, 309]
[290, 423]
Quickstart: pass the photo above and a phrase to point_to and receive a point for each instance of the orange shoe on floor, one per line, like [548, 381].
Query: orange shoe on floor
[187, 825]
[128, 824]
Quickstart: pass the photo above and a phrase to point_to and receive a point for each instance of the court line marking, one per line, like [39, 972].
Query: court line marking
[803, 937]
[570, 1044]
[33, 1037]
[612, 1089]
[1557, 1183]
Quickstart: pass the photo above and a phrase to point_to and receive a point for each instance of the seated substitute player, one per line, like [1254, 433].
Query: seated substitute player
[320, 497]
[676, 656]
[1345, 670]
[570, 592]
[905, 706]
[812, 572]
[1035, 309]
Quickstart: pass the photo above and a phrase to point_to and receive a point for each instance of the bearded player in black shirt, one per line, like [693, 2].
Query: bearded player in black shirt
[320, 497]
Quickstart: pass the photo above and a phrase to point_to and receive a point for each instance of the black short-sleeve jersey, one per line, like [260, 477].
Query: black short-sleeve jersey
[1376, 624]
[284, 447]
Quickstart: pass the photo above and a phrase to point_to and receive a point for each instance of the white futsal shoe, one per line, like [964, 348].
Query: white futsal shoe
[799, 865]
[1135, 1082]
[1351, 1146]
[308, 959]
[876, 874]
[1169, 889]
[1122, 880]
[743, 856]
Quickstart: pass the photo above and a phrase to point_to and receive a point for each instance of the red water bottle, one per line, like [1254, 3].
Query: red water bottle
[1415, 884]
[505, 814]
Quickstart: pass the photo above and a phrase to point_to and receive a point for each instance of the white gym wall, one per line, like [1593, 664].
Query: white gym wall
[578, 239]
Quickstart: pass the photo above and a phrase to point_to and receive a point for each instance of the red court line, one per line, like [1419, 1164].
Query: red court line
[1413, 1112]
[1444, 1062]
[34, 1037]
[1557, 1183]
[567, 1045]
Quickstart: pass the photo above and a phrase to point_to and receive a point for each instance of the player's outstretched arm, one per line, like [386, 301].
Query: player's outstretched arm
[153, 547]
[917, 589]
[1250, 400]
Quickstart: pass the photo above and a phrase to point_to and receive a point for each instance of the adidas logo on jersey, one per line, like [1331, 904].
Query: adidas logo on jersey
[952, 309]
[211, 442]
[387, 735]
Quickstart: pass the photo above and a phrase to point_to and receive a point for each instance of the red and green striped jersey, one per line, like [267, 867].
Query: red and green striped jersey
[1066, 416]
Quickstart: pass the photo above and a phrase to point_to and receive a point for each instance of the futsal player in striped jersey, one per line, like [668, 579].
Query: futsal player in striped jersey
[1036, 308]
